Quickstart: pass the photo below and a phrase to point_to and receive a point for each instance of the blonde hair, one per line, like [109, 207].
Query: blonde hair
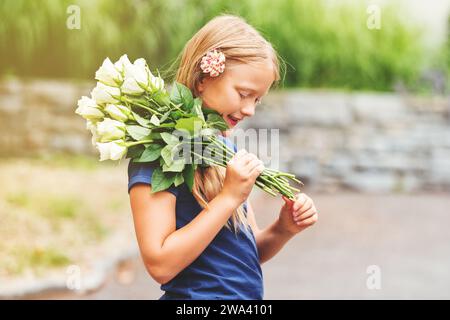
[241, 43]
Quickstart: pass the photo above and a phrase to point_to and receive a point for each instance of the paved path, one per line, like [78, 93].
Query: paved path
[406, 236]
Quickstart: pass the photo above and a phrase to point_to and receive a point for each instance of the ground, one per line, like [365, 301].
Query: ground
[405, 236]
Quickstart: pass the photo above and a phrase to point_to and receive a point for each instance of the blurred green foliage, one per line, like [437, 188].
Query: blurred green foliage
[38, 258]
[57, 210]
[325, 43]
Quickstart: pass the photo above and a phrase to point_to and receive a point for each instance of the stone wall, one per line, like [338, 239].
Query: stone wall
[362, 141]
[331, 140]
[38, 116]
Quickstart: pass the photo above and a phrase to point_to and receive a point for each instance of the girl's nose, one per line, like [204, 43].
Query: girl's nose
[248, 110]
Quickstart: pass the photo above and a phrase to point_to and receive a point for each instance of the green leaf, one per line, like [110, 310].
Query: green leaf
[189, 104]
[178, 179]
[137, 132]
[207, 111]
[151, 153]
[166, 154]
[175, 166]
[164, 116]
[162, 98]
[166, 125]
[135, 151]
[209, 132]
[154, 120]
[193, 125]
[142, 121]
[170, 139]
[197, 108]
[161, 181]
[181, 94]
[188, 175]
[177, 114]
[216, 121]
[155, 136]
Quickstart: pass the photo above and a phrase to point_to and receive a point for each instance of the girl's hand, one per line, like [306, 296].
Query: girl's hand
[297, 215]
[241, 174]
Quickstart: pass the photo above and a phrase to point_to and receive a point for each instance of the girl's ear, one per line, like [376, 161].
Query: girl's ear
[201, 85]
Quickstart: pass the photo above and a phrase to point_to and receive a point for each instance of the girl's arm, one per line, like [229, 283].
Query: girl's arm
[295, 216]
[165, 250]
[270, 240]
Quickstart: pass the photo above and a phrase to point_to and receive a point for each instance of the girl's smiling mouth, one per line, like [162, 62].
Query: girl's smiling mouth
[232, 120]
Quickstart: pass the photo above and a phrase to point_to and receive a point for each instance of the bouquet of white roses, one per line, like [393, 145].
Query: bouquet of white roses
[132, 115]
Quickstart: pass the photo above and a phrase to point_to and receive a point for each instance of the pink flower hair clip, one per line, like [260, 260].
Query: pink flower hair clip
[213, 62]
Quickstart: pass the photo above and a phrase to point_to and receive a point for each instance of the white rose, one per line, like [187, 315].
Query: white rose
[118, 112]
[130, 86]
[105, 94]
[109, 130]
[93, 128]
[113, 150]
[140, 63]
[122, 63]
[138, 71]
[108, 74]
[156, 83]
[88, 109]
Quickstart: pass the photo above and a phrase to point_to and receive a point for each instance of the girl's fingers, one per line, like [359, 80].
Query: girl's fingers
[306, 214]
[302, 199]
[308, 221]
[240, 152]
[306, 206]
[245, 158]
[237, 156]
[297, 205]
[252, 164]
[299, 208]
[257, 170]
[288, 202]
[248, 163]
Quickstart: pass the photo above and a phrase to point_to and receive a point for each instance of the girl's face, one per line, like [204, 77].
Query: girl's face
[236, 92]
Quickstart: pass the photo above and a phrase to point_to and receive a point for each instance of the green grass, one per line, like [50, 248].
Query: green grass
[37, 258]
[76, 161]
[116, 205]
[62, 214]
[18, 199]
[44, 228]
[58, 210]
[65, 160]
[323, 45]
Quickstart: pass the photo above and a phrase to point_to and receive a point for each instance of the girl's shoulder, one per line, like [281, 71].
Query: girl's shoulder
[142, 173]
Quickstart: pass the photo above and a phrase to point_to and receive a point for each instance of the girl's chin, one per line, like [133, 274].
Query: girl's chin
[227, 133]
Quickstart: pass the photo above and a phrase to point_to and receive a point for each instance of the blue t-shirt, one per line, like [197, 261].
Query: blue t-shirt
[228, 268]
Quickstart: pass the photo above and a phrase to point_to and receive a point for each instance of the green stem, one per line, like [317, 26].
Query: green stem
[214, 138]
[224, 147]
[265, 188]
[209, 160]
[276, 184]
[134, 103]
[138, 142]
[208, 143]
[177, 107]
[156, 103]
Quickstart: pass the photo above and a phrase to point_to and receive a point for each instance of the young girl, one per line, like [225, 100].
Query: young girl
[206, 244]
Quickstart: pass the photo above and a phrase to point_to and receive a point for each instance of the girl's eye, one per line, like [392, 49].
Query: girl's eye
[258, 101]
[243, 96]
